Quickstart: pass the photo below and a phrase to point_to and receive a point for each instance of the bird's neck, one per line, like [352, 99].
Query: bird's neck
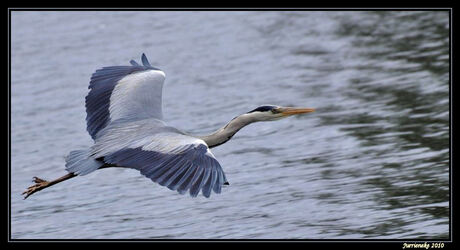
[225, 133]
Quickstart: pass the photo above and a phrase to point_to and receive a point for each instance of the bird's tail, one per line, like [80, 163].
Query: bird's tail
[80, 162]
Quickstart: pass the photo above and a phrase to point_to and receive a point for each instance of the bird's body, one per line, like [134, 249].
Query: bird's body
[125, 120]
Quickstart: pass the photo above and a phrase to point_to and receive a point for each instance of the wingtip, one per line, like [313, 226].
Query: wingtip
[145, 61]
[134, 63]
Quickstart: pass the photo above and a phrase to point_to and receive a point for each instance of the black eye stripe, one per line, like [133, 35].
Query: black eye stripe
[263, 109]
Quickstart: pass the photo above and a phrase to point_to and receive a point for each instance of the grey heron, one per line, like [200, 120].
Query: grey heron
[125, 120]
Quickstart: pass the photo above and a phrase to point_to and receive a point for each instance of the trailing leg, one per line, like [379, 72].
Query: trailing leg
[42, 184]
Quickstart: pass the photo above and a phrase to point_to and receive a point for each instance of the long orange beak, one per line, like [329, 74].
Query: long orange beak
[286, 111]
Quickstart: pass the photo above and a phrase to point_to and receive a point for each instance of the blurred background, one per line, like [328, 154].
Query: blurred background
[371, 163]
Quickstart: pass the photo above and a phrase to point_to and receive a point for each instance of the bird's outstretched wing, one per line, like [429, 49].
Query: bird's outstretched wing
[123, 92]
[163, 154]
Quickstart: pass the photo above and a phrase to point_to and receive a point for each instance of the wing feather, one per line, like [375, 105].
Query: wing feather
[183, 182]
[124, 117]
[193, 183]
[210, 183]
[123, 92]
[176, 161]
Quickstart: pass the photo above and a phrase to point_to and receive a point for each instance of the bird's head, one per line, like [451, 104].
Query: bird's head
[273, 112]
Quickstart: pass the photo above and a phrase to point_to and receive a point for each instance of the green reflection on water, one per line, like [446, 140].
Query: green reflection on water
[399, 111]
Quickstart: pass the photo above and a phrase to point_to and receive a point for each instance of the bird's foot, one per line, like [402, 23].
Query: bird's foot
[40, 184]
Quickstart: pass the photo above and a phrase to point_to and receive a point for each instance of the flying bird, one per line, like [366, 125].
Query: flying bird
[125, 120]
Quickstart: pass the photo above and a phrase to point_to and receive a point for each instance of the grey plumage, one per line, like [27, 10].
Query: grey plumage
[80, 162]
[124, 119]
[102, 83]
[162, 153]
